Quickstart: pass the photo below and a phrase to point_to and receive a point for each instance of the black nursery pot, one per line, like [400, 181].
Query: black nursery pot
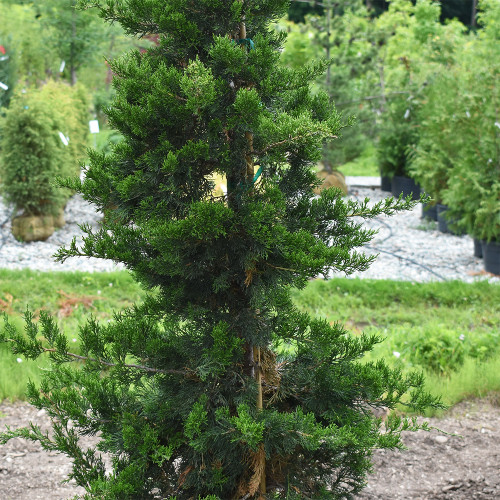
[405, 185]
[491, 256]
[429, 212]
[385, 183]
[443, 224]
[478, 248]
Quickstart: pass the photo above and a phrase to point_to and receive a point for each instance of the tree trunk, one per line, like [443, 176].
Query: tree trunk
[473, 15]
[254, 351]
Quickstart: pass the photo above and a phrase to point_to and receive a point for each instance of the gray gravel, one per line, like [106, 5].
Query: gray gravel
[37, 255]
[409, 249]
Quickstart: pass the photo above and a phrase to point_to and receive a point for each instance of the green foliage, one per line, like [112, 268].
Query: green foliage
[186, 390]
[457, 157]
[418, 49]
[346, 36]
[74, 35]
[32, 151]
[398, 311]
[365, 165]
[31, 57]
[8, 75]
[41, 36]
[465, 321]
[440, 351]
[68, 296]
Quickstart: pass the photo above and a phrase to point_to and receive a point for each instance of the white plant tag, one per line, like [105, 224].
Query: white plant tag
[4, 58]
[63, 65]
[94, 126]
[3, 86]
[407, 114]
[64, 139]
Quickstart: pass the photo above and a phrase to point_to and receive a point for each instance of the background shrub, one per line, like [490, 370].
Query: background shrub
[32, 151]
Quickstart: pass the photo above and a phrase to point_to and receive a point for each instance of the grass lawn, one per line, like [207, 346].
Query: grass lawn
[364, 165]
[449, 330]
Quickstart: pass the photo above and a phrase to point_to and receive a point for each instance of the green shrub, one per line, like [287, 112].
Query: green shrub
[32, 151]
[443, 351]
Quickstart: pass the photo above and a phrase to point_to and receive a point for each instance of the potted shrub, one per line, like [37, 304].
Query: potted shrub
[457, 156]
[419, 48]
[397, 133]
[44, 135]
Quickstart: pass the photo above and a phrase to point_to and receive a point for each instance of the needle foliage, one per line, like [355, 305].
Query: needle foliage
[217, 386]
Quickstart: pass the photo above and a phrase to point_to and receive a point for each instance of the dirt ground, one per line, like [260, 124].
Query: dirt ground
[461, 466]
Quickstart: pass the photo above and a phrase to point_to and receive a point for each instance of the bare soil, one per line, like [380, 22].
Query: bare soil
[461, 465]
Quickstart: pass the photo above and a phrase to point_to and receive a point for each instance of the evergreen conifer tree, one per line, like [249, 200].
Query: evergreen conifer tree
[217, 386]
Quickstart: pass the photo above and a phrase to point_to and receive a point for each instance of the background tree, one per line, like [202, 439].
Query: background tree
[31, 56]
[74, 35]
[217, 385]
[418, 48]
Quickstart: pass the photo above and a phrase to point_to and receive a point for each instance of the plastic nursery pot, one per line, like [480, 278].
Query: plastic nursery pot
[478, 248]
[405, 185]
[429, 212]
[443, 223]
[385, 182]
[491, 256]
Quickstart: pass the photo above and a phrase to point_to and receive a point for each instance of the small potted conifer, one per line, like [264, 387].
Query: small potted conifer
[44, 133]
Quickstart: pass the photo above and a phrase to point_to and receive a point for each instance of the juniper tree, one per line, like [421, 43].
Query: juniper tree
[217, 386]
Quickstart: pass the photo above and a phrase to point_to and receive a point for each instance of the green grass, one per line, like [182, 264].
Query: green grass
[70, 297]
[449, 330]
[364, 165]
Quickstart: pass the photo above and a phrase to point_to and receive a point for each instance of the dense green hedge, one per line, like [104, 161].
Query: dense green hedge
[32, 152]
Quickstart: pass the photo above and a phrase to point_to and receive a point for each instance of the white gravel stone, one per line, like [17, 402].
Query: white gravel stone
[37, 255]
[408, 248]
[412, 249]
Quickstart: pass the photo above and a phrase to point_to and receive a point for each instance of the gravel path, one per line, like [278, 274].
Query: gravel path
[409, 248]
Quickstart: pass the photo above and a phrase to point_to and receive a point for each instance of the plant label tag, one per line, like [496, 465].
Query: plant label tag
[3, 86]
[64, 139]
[4, 58]
[61, 68]
[94, 126]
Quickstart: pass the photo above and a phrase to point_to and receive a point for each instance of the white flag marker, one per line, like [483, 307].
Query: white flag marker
[94, 126]
[64, 139]
[3, 86]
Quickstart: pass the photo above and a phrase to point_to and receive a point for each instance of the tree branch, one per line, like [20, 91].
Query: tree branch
[372, 97]
[126, 365]
[290, 139]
